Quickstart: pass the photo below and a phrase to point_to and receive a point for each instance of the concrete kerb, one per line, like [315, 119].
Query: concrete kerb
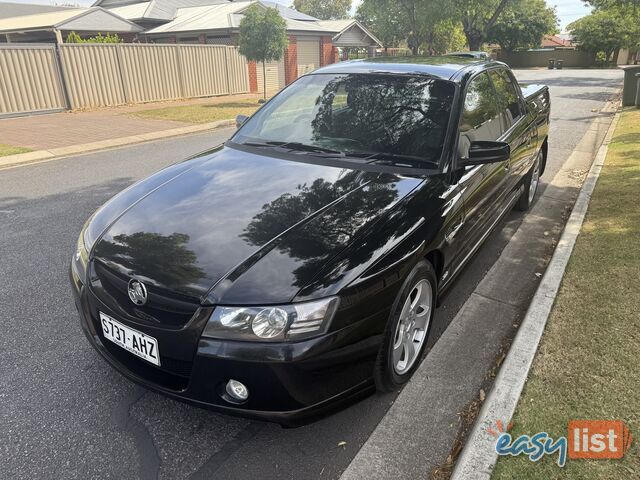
[478, 457]
[62, 152]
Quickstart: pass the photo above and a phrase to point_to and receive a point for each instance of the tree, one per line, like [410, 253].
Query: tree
[324, 9]
[446, 36]
[384, 19]
[626, 10]
[631, 5]
[108, 38]
[418, 22]
[604, 31]
[73, 37]
[263, 37]
[523, 24]
[478, 17]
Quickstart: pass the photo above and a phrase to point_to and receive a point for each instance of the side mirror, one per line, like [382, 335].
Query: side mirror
[240, 120]
[483, 152]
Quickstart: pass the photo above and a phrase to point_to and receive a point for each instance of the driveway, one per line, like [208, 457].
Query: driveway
[65, 414]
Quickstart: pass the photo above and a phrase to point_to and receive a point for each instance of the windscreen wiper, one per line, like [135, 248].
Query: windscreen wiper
[303, 147]
[398, 159]
[297, 146]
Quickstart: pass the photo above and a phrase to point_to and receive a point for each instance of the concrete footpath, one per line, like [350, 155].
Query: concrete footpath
[424, 430]
[62, 134]
[54, 153]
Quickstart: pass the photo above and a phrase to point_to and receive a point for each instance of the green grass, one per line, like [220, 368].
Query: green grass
[202, 113]
[588, 364]
[9, 150]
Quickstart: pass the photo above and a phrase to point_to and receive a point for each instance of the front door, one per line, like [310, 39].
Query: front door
[519, 131]
[482, 185]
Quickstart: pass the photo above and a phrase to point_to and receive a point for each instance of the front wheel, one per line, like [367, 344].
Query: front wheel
[531, 182]
[408, 329]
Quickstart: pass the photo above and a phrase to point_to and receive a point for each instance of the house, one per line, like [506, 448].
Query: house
[312, 42]
[151, 13]
[557, 41]
[12, 9]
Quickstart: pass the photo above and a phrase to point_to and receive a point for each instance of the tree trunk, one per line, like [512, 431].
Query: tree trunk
[474, 41]
[264, 80]
[616, 53]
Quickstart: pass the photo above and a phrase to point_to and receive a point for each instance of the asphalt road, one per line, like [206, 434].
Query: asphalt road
[64, 413]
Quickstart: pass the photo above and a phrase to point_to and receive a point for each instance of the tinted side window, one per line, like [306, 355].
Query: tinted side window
[507, 95]
[480, 116]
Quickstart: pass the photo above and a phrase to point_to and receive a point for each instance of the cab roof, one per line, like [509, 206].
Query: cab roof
[445, 68]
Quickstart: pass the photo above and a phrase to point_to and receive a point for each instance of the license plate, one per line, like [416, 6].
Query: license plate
[131, 340]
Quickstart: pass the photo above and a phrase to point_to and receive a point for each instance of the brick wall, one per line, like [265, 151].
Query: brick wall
[291, 60]
[253, 77]
[327, 55]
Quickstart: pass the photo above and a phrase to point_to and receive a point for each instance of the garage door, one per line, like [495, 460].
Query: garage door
[275, 75]
[308, 55]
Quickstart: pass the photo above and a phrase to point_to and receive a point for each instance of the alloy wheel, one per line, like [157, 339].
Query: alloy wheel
[412, 327]
[535, 179]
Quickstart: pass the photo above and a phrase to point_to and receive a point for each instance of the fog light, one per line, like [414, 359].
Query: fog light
[237, 391]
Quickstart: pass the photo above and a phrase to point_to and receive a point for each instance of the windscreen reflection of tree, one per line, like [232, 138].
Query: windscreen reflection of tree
[164, 258]
[400, 115]
[316, 241]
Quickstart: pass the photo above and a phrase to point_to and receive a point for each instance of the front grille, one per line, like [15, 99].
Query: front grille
[176, 367]
[163, 308]
[172, 374]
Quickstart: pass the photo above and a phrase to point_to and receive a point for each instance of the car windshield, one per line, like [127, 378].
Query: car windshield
[376, 117]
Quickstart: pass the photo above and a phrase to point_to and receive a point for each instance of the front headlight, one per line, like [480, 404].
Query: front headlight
[82, 252]
[272, 324]
[81, 256]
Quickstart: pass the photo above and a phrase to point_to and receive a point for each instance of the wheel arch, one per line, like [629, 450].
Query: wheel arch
[436, 258]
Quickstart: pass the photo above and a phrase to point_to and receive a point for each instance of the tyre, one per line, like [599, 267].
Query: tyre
[408, 329]
[531, 182]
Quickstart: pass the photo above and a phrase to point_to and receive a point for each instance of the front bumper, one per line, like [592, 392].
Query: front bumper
[289, 383]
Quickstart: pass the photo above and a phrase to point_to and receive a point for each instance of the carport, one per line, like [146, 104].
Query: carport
[352, 34]
[53, 27]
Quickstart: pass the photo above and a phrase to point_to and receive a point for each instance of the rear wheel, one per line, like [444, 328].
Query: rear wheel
[531, 182]
[408, 329]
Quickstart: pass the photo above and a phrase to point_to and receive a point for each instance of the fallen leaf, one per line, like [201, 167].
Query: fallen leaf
[342, 444]
[538, 274]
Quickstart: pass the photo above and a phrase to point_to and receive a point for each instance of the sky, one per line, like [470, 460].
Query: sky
[568, 10]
